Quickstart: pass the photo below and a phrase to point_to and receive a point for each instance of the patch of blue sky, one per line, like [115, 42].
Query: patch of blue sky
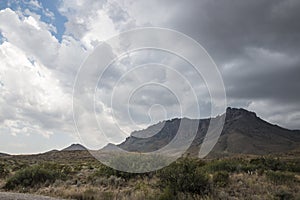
[48, 10]
[59, 21]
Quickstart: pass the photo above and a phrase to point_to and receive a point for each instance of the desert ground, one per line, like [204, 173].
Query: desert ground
[77, 175]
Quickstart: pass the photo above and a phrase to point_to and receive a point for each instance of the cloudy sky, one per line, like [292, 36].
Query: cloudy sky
[255, 44]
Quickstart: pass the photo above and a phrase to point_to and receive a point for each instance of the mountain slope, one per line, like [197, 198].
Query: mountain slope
[75, 147]
[4, 154]
[243, 133]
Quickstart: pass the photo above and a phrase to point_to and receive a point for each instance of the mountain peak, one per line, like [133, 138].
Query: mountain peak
[234, 113]
[75, 147]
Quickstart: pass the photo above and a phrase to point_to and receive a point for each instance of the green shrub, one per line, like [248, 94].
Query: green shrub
[221, 178]
[269, 164]
[278, 177]
[17, 165]
[167, 194]
[256, 164]
[3, 171]
[283, 195]
[62, 170]
[185, 176]
[293, 166]
[32, 176]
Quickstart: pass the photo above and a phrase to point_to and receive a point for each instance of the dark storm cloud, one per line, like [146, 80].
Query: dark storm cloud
[281, 85]
[225, 28]
[255, 44]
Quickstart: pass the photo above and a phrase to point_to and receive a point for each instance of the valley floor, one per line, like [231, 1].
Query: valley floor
[77, 175]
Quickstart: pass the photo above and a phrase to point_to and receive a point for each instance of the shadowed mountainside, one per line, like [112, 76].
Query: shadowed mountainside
[243, 133]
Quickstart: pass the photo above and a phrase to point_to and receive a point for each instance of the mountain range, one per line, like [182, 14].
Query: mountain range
[243, 133]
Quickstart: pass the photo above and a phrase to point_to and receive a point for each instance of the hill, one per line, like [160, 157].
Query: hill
[4, 154]
[243, 133]
[75, 147]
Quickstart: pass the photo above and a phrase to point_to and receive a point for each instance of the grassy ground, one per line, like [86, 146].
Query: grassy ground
[77, 175]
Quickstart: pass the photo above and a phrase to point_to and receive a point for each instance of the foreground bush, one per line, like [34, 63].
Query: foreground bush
[31, 177]
[185, 175]
[221, 179]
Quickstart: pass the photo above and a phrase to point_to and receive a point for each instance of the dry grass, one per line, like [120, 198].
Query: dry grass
[82, 183]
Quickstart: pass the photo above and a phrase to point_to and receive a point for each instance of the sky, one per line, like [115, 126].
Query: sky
[254, 44]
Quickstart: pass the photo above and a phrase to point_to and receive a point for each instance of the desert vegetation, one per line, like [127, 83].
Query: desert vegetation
[79, 176]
